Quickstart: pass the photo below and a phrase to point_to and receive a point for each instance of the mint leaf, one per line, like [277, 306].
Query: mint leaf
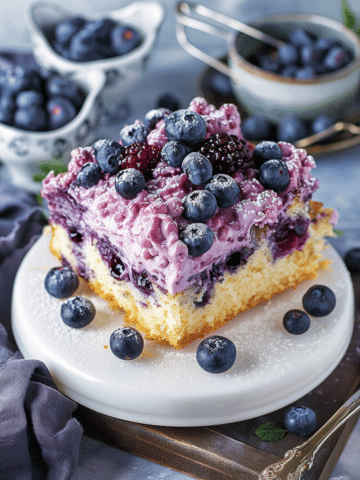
[348, 16]
[48, 167]
[338, 233]
[270, 432]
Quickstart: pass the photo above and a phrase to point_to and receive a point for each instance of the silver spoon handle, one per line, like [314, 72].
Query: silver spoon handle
[185, 10]
[301, 458]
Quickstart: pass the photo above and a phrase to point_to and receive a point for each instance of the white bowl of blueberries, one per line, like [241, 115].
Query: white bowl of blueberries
[118, 43]
[43, 116]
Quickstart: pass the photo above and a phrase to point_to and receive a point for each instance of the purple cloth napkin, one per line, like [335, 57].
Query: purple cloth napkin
[39, 438]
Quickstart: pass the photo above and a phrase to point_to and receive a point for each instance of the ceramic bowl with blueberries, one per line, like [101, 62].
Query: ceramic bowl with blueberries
[314, 71]
[118, 43]
[43, 116]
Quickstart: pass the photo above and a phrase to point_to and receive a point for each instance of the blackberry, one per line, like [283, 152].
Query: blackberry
[226, 153]
[141, 156]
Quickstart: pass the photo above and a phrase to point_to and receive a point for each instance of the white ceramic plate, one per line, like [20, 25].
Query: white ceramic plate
[166, 386]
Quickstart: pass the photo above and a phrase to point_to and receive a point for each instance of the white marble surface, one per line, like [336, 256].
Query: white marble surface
[172, 69]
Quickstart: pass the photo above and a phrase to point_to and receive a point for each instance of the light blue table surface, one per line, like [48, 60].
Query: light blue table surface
[173, 70]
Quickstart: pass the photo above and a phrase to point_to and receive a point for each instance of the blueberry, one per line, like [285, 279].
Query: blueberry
[269, 64]
[337, 57]
[216, 354]
[198, 238]
[266, 150]
[296, 322]
[288, 54]
[60, 112]
[154, 116]
[124, 39]
[136, 132]
[197, 167]
[319, 301]
[29, 98]
[309, 54]
[321, 123]
[84, 47]
[352, 259]
[323, 44]
[31, 118]
[289, 71]
[300, 420]
[57, 86]
[273, 174]
[89, 175]
[168, 101]
[305, 73]
[174, 153]
[126, 343]
[300, 37]
[256, 127]
[199, 206]
[99, 30]
[19, 79]
[7, 107]
[107, 154]
[186, 126]
[224, 188]
[291, 129]
[220, 83]
[77, 312]
[64, 31]
[61, 282]
[129, 183]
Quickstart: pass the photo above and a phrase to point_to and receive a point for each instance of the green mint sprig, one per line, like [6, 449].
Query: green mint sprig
[270, 432]
[57, 167]
[349, 17]
[338, 233]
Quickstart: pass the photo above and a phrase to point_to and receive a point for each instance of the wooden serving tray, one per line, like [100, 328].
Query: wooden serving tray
[233, 451]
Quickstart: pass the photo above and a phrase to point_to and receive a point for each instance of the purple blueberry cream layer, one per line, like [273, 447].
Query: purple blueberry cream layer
[191, 225]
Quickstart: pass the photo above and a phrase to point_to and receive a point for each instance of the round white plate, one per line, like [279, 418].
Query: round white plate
[165, 386]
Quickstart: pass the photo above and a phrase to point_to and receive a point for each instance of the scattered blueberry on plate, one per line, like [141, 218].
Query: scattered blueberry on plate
[300, 419]
[216, 354]
[352, 259]
[296, 322]
[77, 312]
[126, 343]
[61, 282]
[319, 301]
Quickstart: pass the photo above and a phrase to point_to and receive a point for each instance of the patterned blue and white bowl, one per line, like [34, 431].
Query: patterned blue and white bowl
[122, 72]
[23, 153]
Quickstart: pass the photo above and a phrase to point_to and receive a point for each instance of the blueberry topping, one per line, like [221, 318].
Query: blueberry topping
[89, 174]
[129, 183]
[174, 153]
[300, 420]
[186, 126]
[137, 132]
[31, 118]
[296, 322]
[319, 301]
[197, 167]
[288, 54]
[321, 123]
[291, 129]
[60, 112]
[124, 39]
[61, 282]
[256, 127]
[274, 175]
[199, 206]
[154, 116]
[198, 238]
[352, 259]
[77, 312]
[264, 151]
[29, 98]
[64, 31]
[224, 188]
[126, 343]
[107, 154]
[239, 258]
[216, 354]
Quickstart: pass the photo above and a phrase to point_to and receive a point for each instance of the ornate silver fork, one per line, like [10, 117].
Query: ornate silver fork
[301, 458]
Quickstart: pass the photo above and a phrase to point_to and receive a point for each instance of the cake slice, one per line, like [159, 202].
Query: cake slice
[140, 225]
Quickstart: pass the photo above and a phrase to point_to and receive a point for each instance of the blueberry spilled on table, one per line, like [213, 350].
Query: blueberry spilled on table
[300, 419]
